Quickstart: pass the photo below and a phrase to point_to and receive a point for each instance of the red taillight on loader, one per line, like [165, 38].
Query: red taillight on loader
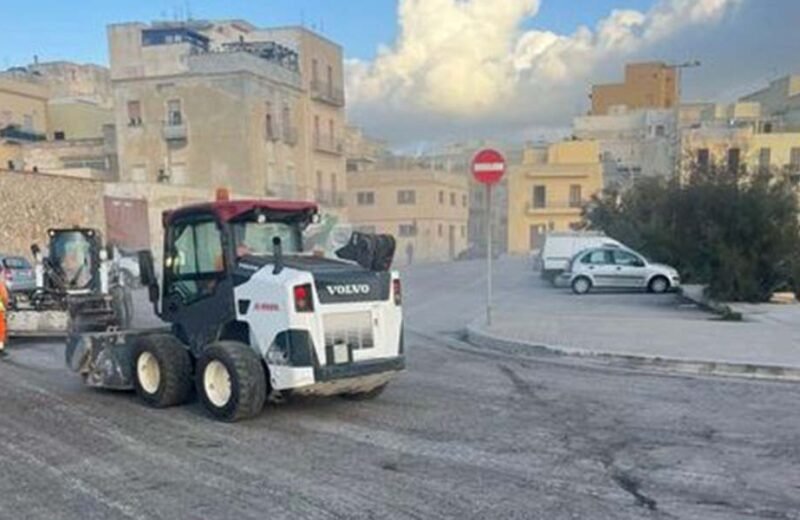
[397, 290]
[303, 298]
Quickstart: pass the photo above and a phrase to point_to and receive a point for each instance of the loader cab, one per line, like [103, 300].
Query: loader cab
[204, 248]
[74, 257]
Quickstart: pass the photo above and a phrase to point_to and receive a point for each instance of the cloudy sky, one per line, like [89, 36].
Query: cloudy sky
[421, 70]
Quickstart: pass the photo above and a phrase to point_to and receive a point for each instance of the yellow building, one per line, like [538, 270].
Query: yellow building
[548, 190]
[425, 210]
[646, 85]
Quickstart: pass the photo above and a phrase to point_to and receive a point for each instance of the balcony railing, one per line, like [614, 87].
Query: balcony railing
[174, 131]
[556, 205]
[327, 93]
[328, 144]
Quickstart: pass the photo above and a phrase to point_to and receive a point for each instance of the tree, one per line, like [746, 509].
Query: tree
[737, 232]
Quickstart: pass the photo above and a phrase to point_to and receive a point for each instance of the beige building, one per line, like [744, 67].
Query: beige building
[780, 103]
[23, 118]
[549, 189]
[225, 103]
[647, 85]
[425, 210]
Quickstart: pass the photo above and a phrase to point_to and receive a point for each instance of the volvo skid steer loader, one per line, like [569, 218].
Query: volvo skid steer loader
[248, 313]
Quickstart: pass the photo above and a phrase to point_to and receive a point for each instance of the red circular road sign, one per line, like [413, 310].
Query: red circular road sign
[488, 166]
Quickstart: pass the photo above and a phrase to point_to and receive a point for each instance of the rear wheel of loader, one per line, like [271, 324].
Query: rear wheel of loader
[162, 371]
[230, 381]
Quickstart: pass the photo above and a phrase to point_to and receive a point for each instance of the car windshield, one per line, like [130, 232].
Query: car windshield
[255, 238]
[16, 262]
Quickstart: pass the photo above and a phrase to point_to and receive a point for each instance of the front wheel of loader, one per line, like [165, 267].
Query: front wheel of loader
[162, 371]
[230, 381]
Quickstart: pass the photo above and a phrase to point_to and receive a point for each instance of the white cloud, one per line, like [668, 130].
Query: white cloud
[462, 67]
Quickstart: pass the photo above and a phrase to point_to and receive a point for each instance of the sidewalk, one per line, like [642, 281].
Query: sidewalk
[658, 330]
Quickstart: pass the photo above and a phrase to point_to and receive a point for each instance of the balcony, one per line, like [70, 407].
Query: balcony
[569, 207]
[175, 131]
[328, 144]
[327, 93]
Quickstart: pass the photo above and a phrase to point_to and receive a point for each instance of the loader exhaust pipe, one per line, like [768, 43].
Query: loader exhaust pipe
[277, 252]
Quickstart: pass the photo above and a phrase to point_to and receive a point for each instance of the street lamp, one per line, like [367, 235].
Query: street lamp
[677, 145]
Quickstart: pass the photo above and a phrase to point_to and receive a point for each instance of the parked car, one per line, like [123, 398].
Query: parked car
[618, 267]
[559, 248]
[18, 274]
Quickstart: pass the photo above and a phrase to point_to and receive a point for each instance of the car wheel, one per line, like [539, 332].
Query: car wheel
[230, 381]
[581, 285]
[658, 285]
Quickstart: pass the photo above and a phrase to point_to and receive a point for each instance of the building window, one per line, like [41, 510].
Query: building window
[330, 81]
[407, 230]
[315, 70]
[575, 196]
[174, 114]
[407, 197]
[334, 188]
[441, 230]
[286, 121]
[660, 132]
[316, 130]
[703, 159]
[365, 198]
[463, 231]
[539, 196]
[331, 132]
[134, 113]
[319, 182]
[464, 200]
[734, 155]
[764, 159]
[536, 236]
[794, 158]
[269, 123]
[452, 199]
[441, 197]
[59, 135]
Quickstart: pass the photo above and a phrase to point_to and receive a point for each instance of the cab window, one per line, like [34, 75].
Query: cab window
[195, 261]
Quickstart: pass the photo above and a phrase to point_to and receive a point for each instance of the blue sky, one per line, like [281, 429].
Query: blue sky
[58, 29]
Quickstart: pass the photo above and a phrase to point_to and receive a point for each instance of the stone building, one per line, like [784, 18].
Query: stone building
[548, 191]
[425, 210]
[646, 85]
[224, 103]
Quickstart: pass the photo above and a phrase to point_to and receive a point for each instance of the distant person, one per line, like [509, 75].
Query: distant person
[3, 307]
[410, 253]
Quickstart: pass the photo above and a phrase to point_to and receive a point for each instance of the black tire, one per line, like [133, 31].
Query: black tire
[581, 285]
[174, 385]
[366, 396]
[658, 285]
[246, 376]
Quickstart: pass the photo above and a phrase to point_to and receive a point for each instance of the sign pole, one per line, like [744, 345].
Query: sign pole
[488, 168]
[489, 255]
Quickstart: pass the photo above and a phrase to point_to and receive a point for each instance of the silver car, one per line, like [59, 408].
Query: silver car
[17, 273]
[618, 268]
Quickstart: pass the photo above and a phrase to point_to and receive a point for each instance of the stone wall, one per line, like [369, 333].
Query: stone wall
[32, 203]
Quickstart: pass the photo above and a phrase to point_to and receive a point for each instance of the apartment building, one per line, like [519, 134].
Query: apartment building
[646, 85]
[549, 189]
[425, 210]
[780, 103]
[740, 138]
[225, 103]
[633, 143]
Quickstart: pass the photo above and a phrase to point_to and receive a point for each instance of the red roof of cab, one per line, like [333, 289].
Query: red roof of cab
[230, 209]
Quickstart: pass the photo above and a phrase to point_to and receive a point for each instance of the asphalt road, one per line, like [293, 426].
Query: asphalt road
[462, 434]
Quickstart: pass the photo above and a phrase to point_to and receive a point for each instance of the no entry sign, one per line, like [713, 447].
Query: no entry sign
[488, 166]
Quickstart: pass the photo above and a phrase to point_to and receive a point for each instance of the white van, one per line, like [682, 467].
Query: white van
[560, 247]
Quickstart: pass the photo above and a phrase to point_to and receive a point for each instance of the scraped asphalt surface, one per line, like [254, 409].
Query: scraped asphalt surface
[464, 433]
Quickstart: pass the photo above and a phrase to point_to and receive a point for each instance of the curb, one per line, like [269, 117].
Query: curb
[481, 338]
[722, 310]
